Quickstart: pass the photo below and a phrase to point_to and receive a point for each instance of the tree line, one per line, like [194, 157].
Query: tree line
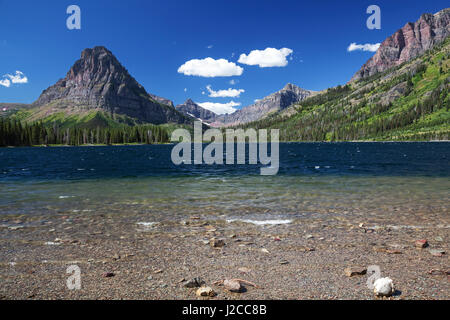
[16, 133]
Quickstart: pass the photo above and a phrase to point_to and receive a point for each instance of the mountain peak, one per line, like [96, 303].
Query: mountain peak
[289, 87]
[99, 81]
[95, 51]
[192, 109]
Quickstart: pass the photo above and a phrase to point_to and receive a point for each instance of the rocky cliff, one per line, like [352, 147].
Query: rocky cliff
[407, 43]
[99, 81]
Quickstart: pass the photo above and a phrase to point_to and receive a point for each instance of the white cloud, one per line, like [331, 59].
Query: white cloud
[210, 46]
[364, 47]
[270, 57]
[185, 89]
[257, 100]
[229, 93]
[5, 83]
[233, 82]
[210, 68]
[220, 108]
[19, 77]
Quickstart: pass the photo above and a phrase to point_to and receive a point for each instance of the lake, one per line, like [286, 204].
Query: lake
[314, 179]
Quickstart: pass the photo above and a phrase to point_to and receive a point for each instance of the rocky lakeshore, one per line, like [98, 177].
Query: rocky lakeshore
[124, 256]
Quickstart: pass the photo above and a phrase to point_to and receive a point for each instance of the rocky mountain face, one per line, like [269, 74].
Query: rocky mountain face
[192, 109]
[407, 43]
[99, 81]
[275, 102]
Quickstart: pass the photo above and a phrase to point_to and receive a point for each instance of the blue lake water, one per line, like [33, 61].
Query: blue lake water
[313, 179]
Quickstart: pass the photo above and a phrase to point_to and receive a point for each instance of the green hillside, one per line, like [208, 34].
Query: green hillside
[408, 102]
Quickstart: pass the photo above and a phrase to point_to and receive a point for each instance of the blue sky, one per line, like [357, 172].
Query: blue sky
[153, 39]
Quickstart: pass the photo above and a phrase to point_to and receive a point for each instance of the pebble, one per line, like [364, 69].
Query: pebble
[205, 292]
[108, 274]
[216, 243]
[282, 262]
[437, 252]
[355, 271]
[420, 244]
[307, 249]
[15, 227]
[194, 283]
[265, 250]
[232, 285]
[244, 270]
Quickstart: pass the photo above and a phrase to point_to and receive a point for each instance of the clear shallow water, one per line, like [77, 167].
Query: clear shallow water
[314, 179]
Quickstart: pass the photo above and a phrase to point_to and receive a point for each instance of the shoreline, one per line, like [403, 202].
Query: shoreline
[123, 256]
[157, 144]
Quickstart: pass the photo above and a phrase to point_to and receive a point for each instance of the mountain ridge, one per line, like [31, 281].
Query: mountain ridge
[272, 103]
[407, 43]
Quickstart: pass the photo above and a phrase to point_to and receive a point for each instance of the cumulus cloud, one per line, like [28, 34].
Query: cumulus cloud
[19, 77]
[220, 108]
[229, 93]
[210, 68]
[269, 57]
[363, 47]
[5, 83]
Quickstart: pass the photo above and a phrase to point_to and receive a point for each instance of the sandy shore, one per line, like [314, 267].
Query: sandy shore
[303, 259]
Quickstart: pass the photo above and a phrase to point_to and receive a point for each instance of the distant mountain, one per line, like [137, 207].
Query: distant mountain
[273, 103]
[194, 110]
[99, 82]
[407, 43]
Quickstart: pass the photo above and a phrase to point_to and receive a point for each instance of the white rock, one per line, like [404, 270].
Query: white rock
[205, 292]
[383, 287]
